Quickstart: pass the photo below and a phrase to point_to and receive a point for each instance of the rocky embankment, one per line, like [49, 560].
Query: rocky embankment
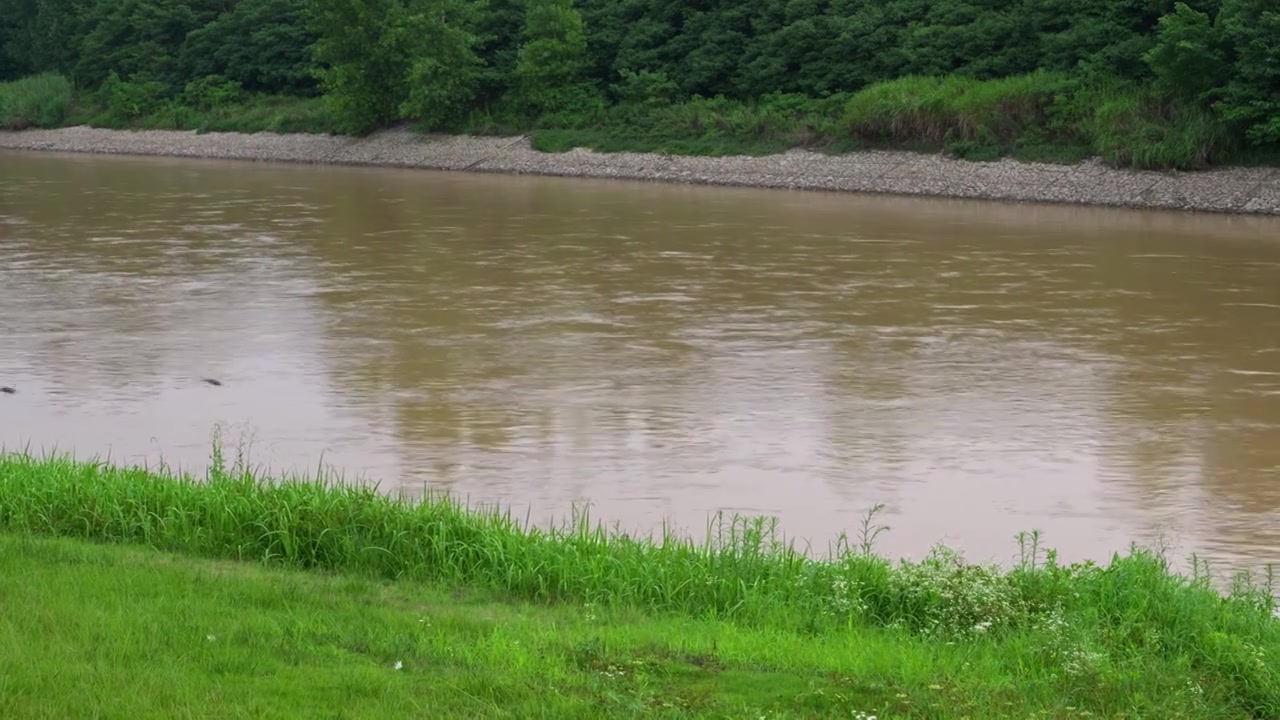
[1230, 190]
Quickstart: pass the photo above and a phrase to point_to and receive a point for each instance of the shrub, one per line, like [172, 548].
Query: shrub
[133, 98]
[37, 101]
[1188, 59]
[1137, 129]
[936, 111]
[646, 89]
[211, 92]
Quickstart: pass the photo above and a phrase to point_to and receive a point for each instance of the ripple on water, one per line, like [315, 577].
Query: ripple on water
[660, 352]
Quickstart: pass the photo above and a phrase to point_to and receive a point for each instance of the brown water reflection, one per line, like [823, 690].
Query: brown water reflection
[663, 352]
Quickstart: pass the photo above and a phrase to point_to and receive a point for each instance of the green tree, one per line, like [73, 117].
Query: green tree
[1102, 39]
[12, 19]
[552, 62]
[42, 35]
[138, 38]
[711, 47]
[1187, 60]
[635, 36]
[499, 28]
[364, 51]
[444, 73]
[1252, 95]
[265, 45]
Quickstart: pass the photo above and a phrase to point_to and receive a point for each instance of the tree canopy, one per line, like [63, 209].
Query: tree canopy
[437, 61]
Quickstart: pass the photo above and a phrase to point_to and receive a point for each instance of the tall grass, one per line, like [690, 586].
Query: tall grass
[1134, 128]
[250, 114]
[1096, 620]
[700, 126]
[936, 111]
[1037, 116]
[41, 101]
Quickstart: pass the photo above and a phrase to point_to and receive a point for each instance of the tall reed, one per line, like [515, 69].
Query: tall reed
[742, 567]
[37, 101]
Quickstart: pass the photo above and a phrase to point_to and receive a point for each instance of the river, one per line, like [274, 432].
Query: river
[661, 352]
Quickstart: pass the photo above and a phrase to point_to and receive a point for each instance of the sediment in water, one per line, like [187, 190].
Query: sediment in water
[1225, 190]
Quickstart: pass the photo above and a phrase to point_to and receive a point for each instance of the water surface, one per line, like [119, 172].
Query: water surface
[662, 352]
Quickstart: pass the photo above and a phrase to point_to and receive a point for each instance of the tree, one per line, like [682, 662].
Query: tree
[364, 54]
[137, 39]
[1252, 96]
[12, 18]
[444, 74]
[265, 45]
[42, 35]
[499, 29]
[1188, 60]
[552, 62]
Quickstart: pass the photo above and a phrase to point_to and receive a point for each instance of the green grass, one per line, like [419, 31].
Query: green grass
[37, 101]
[122, 632]
[569, 620]
[1132, 128]
[49, 100]
[937, 111]
[251, 114]
[1042, 116]
[701, 126]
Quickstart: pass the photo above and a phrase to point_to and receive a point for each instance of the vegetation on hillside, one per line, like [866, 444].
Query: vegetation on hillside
[488, 617]
[1155, 83]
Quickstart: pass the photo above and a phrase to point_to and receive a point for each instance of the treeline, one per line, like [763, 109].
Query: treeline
[1144, 82]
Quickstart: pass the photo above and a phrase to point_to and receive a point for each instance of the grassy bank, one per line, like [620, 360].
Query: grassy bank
[50, 101]
[738, 622]
[121, 632]
[1041, 116]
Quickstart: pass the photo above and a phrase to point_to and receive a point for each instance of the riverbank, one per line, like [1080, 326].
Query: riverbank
[1226, 190]
[143, 634]
[449, 610]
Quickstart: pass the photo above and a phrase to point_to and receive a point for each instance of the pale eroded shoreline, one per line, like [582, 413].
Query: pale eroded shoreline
[1227, 190]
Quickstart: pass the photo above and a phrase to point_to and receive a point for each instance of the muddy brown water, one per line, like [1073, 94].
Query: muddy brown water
[661, 352]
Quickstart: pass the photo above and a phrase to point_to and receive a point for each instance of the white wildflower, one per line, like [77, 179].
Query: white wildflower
[399, 665]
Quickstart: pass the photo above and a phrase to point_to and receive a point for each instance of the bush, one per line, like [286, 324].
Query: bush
[1252, 96]
[552, 64]
[644, 88]
[1137, 129]
[934, 111]
[273, 114]
[211, 92]
[1188, 59]
[37, 101]
[133, 98]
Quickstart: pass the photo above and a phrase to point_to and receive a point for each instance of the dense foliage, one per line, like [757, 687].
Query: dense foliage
[1201, 79]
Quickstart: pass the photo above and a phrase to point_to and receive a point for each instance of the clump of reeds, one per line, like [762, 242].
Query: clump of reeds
[36, 101]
